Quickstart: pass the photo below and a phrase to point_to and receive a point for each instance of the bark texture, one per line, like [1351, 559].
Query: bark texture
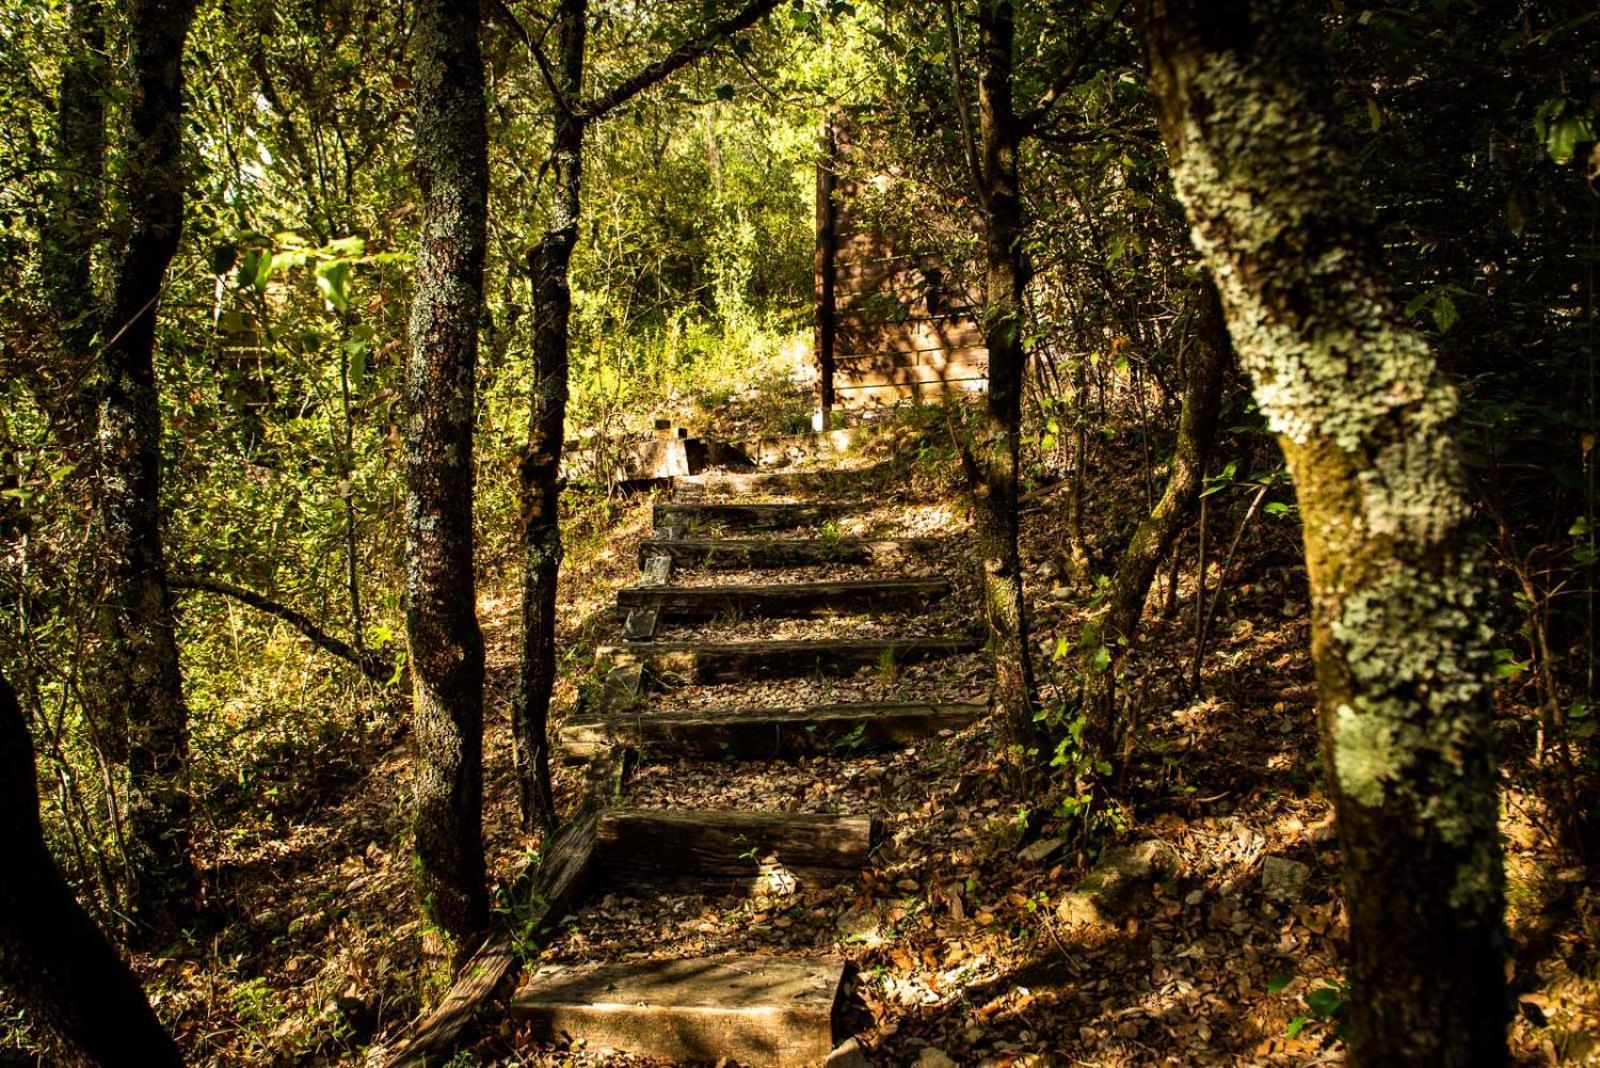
[1118, 623]
[53, 959]
[140, 678]
[996, 453]
[441, 611]
[1366, 420]
[547, 421]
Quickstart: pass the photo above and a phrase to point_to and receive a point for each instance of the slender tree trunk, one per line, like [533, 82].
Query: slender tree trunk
[1366, 420]
[53, 959]
[1117, 625]
[997, 452]
[141, 673]
[547, 422]
[75, 222]
[441, 611]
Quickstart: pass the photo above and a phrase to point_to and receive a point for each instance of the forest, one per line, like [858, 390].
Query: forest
[993, 533]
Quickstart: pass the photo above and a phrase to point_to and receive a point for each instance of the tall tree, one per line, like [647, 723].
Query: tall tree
[441, 606]
[53, 959]
[998, 453]
[1367, 422]
[993, 461]
[548, 266]
[141, 673]
[74, 224]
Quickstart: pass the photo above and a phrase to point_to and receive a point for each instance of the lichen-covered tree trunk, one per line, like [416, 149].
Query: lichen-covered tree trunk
[441, 611]
[53, 959]
[1367, 422]
[1116, 627]
[139, 678]
[996, 452]
[547, 419]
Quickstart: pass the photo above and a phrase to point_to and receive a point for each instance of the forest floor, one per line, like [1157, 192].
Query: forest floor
[961, 929]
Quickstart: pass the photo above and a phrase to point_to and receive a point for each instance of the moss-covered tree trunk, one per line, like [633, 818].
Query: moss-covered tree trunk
[1115, 629]
[547, 422]
[1367, 423]
[441, 611]
[139, 679]
[53, 959]
[997, 450]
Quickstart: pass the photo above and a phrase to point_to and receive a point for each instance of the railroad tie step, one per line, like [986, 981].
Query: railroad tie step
[742, 553]
[773, 1012]
[785, 599]
[777, 483]
[646, 848]
[754, 516]
[711, 662]
[765, 733]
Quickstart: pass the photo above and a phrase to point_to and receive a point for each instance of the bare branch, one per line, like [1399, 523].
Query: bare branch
[1034, 116]
[375, 667]
[687, 52]
[498, 9]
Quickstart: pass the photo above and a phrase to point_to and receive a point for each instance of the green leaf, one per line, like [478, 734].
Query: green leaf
[1325, 1001]
[1101, 659]
[333, 279]
[1277, 983]
[1296, 1025]
[1444, 313]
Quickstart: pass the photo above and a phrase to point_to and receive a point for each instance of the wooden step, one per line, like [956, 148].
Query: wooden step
[742, 553]
[779, 483]
[764, 600]
[748, 516]
[765, 733]
[767, 1011]
[736, 661]
[643, 848]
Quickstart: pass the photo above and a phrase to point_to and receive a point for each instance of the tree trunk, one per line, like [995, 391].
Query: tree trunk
[441, 612]
[1366, 420]
[53, 959]
[547, 419]
[1117, 625]
[75, 222]
[140, 677]
[997, 455]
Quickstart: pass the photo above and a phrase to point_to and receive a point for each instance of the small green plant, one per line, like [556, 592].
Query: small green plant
[888, 666]
[852, 740]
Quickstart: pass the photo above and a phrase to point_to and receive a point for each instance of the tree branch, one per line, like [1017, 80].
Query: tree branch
[958, 88]
[375, 667]
[499, 10]
[1034, 116]
[687, 52]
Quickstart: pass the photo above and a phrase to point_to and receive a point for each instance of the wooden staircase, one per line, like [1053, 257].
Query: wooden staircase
[781, 1010]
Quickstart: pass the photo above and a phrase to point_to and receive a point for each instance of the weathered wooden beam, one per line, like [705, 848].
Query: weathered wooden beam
[645, 847]
[772, 1011]
[563, 876]
[735, 661]
[780, 482]
[764, 733]
[749, 516]
[741, 553]
[786, 599]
